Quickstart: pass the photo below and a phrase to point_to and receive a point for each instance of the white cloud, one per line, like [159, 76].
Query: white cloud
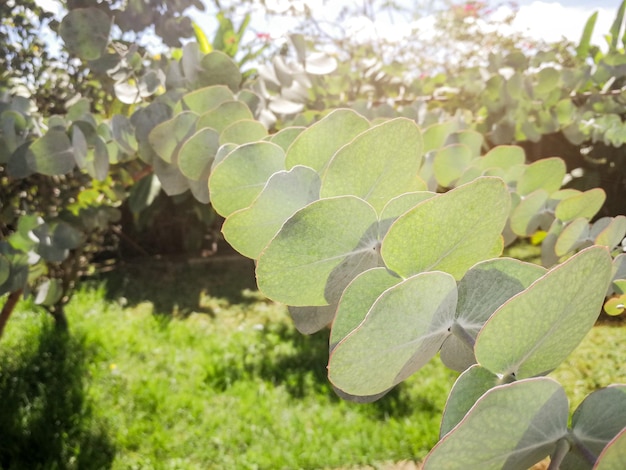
[552, 21]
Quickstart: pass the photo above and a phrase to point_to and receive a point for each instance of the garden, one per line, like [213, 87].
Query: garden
[313, 251]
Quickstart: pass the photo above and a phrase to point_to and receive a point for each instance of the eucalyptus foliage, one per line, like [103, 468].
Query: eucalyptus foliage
[385, 223]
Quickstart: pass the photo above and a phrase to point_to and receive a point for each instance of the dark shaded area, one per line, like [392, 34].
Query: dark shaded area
[604, 167]
[45, 417]
[177, 285]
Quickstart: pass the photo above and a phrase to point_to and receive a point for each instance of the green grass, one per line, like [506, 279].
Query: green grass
[226, 382]
[209, 375]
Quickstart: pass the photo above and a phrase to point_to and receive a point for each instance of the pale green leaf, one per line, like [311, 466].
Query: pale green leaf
[85, 32]
[318, 251]
[285, 137]
[546, 174]
[51, 154]
[167, 137]
[402, 331]
[450, 163]
[435, 135]
[243, 132]
[614, 454]
[197, 153]
[239, 178]
[526, 217]
[357, 299]
[483, 289]
[543, 324]
[472, 139]
[207, 98]
[250, 229]
[449, 232]
[573, 236]
[502, 156]
[315, 146]
[222, 116]
[585, 205]
[510, 427]
[378, 165]
[598, 419]
[468, 388]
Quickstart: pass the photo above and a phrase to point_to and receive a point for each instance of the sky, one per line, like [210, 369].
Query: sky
[545, 19]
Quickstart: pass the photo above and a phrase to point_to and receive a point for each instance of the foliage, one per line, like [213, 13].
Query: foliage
[194, 361]
[209, 375]
[341, 213]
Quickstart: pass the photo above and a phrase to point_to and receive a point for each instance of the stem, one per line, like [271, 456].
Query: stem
[562, 449]
[461, 333]
[8, 307]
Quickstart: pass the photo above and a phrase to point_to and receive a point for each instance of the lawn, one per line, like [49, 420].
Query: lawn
[208, 374]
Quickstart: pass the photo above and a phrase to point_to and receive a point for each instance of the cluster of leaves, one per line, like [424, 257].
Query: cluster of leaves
[346, 225]
[344, 230]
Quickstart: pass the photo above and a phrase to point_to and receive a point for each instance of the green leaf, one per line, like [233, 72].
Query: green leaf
[318, 251]
[222, 116]
[309, 320]
[315, 146]
[585, 205]
[472, 139]
[573, 236]
[85, 32]
[510, 427]
[378, 165]
[468, 388]
[614, 454]
[526, 217]
[502, 156]
[547, 174]
[243, 132]
[598, 419]
[143, 193]
[219, 69]
[51, 154]
[613, 234]
[197, 153]
[582, 50]
[167, 137]
[207, 98]
[401, 332]
[543, 324]
[548, 79]
[357, 299]
[483, 289]
[450, 163]
[449, 232]
[285, 137]
[238, 179]
[435, 135]
[249, 230]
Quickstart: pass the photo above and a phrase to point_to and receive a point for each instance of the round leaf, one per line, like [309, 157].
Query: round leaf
[318, 251]
[449, 232]
[401, 332]
[537, 329]
[249, 230]
[239, 178]
[379, 164]
[511, 426]
[315, 146]
[51, 154]
[85, 32]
